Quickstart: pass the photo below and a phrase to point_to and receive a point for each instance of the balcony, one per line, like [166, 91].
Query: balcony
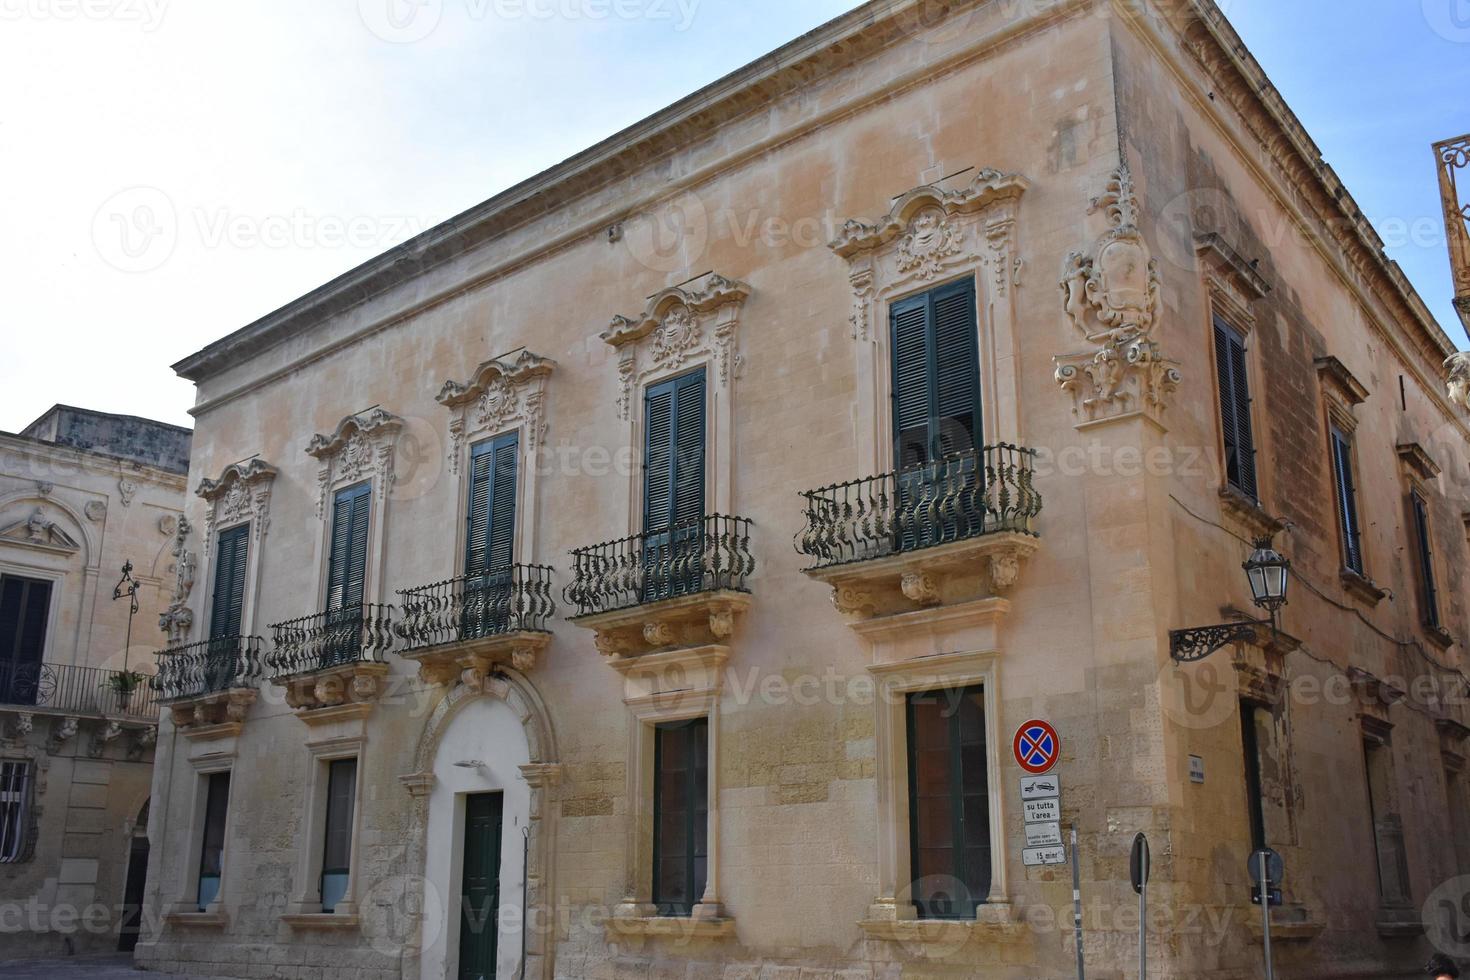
[332, 659]
[936, 534]
[680, 587]
[209, 683]
[63, 689]
[466, 626]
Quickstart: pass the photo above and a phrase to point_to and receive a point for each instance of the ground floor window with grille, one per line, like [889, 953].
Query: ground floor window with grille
[337, 849]
[949, 802]
[15, 793]
[680, 815]
[211, 857]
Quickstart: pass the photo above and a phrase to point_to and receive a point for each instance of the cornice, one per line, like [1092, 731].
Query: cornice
[1315, 190]
[836, 44]
[516, 369]
[253, 470]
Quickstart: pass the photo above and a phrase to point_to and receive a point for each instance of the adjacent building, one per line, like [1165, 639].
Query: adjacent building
[83, 495]
[649, 571]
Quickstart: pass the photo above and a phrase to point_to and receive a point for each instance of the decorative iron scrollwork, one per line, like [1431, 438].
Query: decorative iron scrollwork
[513, 599]
[208, 667]
[706, 555]
[335, 638]
[1191, 645]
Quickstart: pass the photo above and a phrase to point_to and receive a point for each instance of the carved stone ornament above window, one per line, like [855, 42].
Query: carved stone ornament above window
[937, 234]
[361, 447]
[242, 493]
[679, 326]
[39, 530]
[1111, 298]
[1457, 382]
[502, 393]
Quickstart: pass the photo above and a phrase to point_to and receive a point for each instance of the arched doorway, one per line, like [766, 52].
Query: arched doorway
[134, 884]
[485, 765]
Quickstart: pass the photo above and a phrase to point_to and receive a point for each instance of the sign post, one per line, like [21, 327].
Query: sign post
[1077, 905]
[1138, 868]
[1267, 869]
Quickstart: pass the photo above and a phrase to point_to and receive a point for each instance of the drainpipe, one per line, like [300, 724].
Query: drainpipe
[525, 895]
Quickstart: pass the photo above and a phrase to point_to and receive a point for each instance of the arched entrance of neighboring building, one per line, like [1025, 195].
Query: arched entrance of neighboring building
[137, 879]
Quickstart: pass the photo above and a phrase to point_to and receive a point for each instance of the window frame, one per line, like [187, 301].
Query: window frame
[964, 285]
[332, 803]
[241, 529]
[1342, 446]
[694, 809]
[1225, 373]
[209, 781]
[1426, 575]
[893, 680]
[957, 798]
[307, 895]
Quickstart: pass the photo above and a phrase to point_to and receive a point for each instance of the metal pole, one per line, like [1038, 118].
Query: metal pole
[1077, 905]
[1143, 922]
[1266, 914]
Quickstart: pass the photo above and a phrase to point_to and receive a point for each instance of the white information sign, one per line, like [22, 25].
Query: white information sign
[1041, 787]
[1043, 834]
[1043, 811]
[1035, 857]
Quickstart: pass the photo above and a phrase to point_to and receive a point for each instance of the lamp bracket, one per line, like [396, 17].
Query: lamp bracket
[1188, 646]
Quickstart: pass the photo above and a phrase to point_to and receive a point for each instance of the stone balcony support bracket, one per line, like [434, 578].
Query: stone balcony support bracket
[704, 619]
[199, 717]
[472, 661]
[325, 695]
[944, 575]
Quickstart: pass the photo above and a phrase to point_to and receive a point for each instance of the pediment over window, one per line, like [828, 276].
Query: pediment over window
[241, 493]
[503, 392]
[360, 447]
[922, 216]
[39, 530]
[682, 325]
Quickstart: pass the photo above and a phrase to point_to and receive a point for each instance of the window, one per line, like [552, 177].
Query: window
[1255, 798]
[490, 530]
[673, 485]
[936, 375]
[680, 815]
[228, 602]
[1424, 552]
[1388, 831]
[24, 607]
[211, 856]
[1235, 409]
[1345, 484]
[949, 802]
[15, 805]
[337, 848]
[346, 572]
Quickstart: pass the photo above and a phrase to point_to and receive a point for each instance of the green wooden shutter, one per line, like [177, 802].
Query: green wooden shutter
[1347, 501]
[500, 547]
[936, 374]
[477, 516]
[1235, 409]
[673, 459]
[228, 602]
[348, 568]
[956, 425]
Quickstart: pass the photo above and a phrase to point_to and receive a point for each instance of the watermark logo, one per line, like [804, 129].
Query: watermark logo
[148, 14]
[1446, 917]
[1450, 19]
[137, 229]
[404, 908]
[401, 21]
[1198, 696]
[671, 238]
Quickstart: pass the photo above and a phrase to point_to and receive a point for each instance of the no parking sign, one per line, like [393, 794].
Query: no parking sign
[1037, 747]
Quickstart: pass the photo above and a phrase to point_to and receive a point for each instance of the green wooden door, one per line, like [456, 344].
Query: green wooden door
[480, 892]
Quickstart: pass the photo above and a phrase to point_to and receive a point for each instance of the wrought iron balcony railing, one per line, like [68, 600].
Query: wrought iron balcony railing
[513, 599]
[705, 555]
[335, 638]
[77, 690]
[964, 496]
[208, 667]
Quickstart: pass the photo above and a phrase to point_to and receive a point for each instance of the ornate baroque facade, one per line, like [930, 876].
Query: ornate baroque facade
[1051, 397]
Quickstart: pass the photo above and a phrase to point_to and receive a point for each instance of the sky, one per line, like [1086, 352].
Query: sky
[172, 170]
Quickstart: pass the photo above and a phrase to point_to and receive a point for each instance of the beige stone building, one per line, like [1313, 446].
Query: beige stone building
[82, 494]
[502, 661]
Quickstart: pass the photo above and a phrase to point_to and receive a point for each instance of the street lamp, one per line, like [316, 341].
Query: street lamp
[1269, 577]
